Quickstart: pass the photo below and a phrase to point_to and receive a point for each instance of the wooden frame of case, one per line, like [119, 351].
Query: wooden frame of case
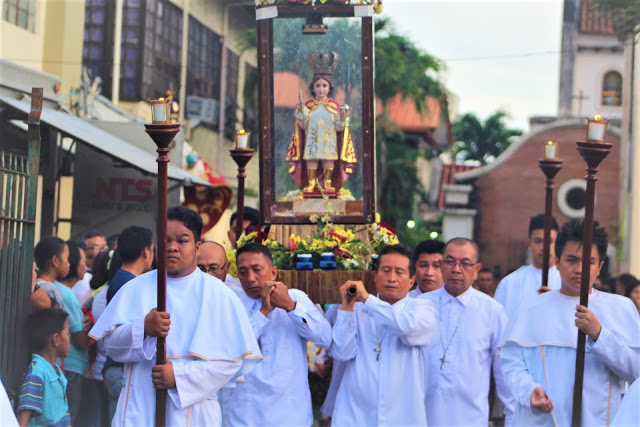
[266, 114]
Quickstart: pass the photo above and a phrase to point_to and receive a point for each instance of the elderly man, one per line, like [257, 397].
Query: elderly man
[212, 259]
[384, 340]
[283, 320]
[465, 343]
[539, 352]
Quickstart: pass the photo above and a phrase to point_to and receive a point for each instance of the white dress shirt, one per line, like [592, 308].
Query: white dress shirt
[385, 381]
[277, 392]
[468, 331]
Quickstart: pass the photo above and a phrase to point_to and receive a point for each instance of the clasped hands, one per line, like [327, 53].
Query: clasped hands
[276, 295]
[349, 301]
[156, 324]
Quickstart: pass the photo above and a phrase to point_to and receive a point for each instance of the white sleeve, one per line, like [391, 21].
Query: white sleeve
[310, 323]
[127, 343]
[197, 380]
[414, 326]
[622, 359]
[515, 373]
[345, 336]
[504, 394]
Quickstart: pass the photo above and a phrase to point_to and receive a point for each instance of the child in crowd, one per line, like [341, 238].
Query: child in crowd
[43, 398]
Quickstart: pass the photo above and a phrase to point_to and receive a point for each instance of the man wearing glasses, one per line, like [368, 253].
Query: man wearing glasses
[94, 243]
[212, 259]
[469, 325]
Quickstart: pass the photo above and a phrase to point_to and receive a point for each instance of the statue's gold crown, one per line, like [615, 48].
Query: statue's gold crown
[323, 63]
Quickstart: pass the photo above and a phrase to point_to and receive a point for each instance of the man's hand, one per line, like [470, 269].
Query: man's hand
[280, 297]
[348, 301]
[156, 324]
[162, 376]
[87, 324]
[540, 401]
[267, 305]
[587, 322]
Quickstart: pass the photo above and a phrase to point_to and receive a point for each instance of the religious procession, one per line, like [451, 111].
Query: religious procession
[386, 259]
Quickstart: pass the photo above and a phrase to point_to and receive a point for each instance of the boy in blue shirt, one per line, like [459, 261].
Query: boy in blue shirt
[43, 399]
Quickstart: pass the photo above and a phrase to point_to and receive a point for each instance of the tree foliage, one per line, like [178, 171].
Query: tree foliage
[481, 141]
[625, 14]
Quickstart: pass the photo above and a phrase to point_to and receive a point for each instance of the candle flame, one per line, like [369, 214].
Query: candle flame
[550, 143]
[597, 117]
[241, 131]
[160, 99]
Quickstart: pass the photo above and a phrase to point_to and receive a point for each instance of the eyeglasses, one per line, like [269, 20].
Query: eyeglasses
[451, 263]
[212, 269]
[97, 248]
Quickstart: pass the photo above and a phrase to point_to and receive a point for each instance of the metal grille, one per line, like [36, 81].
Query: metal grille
[18, 192]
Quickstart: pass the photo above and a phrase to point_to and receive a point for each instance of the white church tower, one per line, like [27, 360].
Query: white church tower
[591, 65]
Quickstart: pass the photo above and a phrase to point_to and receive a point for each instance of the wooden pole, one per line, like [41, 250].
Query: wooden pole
[593, 154]
[550, 168]
[241, 157]
[162, 135]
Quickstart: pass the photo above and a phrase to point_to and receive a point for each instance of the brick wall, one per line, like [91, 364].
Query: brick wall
[508, 195]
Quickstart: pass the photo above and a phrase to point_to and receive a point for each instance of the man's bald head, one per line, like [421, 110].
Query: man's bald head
[212, 259]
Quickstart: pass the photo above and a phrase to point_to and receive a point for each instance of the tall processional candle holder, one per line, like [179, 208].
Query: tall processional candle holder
[241, 154]
[162, 131]
[593, 151]
[550, 165]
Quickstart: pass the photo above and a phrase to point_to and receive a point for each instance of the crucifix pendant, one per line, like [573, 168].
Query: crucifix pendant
[378, 350]
[442, 360]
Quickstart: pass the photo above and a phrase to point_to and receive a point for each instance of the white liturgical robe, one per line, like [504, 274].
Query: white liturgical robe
[523, 284]
[210, 344]
[629, 413]
[539, 350]
[468, 330]
[385, 381]
[276, 392]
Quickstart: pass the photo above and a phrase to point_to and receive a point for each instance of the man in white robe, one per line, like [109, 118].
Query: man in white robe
[276, 392]
[526, 281]
[539, 351]
[427, 259]
[629, 413]
[210, 343]
[384, 339]
[469, 326]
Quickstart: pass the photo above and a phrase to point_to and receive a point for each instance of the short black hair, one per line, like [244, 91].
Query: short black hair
[460, 241]
[629, 287]
[90, 234]
[112, 241]
[397, 249]
[429, 246]
[41, 324]
[105, 265]
[45, 250]
[189, 218]
[255, 248]
[485, 270]
[573, 230]
[74, 260]
[627, 280]
[132, 241]
[536, 222]
[250, 214]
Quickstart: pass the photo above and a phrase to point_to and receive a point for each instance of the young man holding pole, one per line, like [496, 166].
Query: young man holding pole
[539, 350]
[209, 340]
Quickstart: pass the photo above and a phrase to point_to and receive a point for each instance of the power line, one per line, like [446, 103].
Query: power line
[508, 56]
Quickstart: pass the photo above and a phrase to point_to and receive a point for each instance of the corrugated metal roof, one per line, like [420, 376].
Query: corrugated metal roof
[103, 141]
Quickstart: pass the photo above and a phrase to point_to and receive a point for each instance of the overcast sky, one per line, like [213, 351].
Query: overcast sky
[499, 54]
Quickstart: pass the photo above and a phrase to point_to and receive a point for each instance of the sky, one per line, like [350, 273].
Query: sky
[498, 54]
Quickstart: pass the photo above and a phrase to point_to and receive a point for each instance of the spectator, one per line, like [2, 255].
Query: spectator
[623, 282]
[112, 242]
[51, 255]
[42, 395]
[633, 292]
[94, 243]
[77, 269]
[251, 216]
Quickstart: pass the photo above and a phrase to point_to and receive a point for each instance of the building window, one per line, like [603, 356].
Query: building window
[231, 112]
[162, 49]
[20, 12]
[97, 48]
[572, 198]
[203, 72]
[132, 37]
[612, 89]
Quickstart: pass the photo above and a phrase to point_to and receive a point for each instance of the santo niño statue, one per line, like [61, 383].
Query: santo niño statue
[321, 146]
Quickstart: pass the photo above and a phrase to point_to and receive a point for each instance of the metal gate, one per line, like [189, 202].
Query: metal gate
[18, 192]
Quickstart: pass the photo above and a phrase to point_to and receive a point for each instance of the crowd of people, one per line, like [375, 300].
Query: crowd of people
[438, 344]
